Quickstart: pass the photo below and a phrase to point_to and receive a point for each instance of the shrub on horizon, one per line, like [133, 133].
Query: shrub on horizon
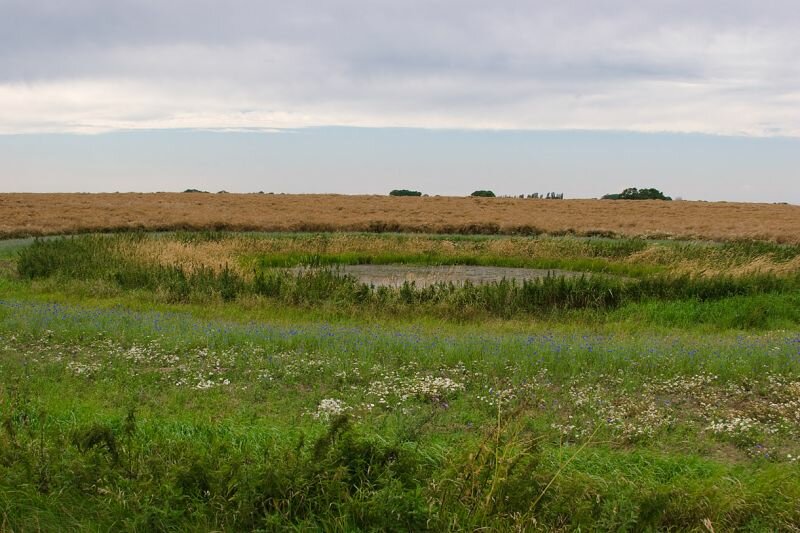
[632, 193]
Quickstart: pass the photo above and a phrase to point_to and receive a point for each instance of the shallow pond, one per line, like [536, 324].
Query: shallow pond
[423, 276]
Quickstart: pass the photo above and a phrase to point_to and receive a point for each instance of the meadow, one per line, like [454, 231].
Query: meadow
[245, 381]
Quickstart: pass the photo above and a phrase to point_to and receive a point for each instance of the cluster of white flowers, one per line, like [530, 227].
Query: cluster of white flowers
[207, 383]
[139, 354]
[759, 413]
[204, 384]
[784, 399]
[434, 388]
[574, 429]
[735, 426]
[330, 407]
[349, 375]
[396, 389]
[290, 365]
[499, 397]
[631, 416]
[641, 421]
[84, 369]
[507, 392]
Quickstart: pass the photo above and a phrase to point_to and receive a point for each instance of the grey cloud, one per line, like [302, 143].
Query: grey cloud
[428, 63]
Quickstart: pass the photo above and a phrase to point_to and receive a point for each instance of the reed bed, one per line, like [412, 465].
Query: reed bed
[624, 256]
[117, 261]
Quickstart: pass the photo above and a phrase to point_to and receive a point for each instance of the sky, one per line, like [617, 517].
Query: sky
[699, 99]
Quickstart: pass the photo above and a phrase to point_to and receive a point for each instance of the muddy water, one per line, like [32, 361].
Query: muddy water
[396, 275]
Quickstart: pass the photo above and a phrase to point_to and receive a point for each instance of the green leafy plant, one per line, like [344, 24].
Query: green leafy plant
[632, 193]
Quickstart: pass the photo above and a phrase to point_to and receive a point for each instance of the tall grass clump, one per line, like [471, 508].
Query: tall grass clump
[76, 257]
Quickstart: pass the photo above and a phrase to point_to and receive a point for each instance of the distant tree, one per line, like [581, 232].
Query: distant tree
[632, 193]
[194, 190]
[483, 194]
[404, 192]
[652, 194]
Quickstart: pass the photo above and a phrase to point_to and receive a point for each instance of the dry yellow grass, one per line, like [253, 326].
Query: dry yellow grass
[238, 252]
[24, 214]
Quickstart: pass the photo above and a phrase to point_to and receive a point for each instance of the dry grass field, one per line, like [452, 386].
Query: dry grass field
[26, 214]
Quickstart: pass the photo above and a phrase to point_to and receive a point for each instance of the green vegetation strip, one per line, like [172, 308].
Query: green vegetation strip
[160, 421]
[170, 392]
[113, 261]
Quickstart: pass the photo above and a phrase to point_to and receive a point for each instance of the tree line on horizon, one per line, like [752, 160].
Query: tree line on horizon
[631, 193]
[483, 194]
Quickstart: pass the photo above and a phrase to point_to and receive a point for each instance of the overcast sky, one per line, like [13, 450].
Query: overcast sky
[644, 77]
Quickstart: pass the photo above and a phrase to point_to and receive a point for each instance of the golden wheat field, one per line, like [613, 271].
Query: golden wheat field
[29, 214]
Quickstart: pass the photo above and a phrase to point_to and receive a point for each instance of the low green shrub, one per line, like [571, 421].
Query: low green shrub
[404, 192]
[632, 193]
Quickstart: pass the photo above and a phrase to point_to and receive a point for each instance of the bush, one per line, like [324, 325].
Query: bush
[632, 193]
[404, 192]
[483, 194]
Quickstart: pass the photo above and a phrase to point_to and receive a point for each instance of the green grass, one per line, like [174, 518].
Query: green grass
[154, 398]
[10, 248]
[161, 421]
[111, 262]
[779, 310]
